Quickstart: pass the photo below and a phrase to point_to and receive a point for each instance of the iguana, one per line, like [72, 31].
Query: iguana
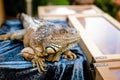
[44, 41]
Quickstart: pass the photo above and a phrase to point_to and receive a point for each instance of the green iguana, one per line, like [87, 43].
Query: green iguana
[44, 41]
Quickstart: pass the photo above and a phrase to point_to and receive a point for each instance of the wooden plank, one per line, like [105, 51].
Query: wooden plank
[49, 17]
[107, 71]
[68, 10]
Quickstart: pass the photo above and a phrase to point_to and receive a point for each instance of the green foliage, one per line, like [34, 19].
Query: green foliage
[107, 6]
[60, 2]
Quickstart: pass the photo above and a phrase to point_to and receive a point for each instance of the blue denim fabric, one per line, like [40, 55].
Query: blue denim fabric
[14, 67]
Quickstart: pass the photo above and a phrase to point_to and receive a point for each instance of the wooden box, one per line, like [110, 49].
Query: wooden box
[68, 10]
[107, 71]
[100, 36]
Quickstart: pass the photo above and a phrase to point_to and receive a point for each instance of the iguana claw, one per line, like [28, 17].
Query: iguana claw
[39, 62]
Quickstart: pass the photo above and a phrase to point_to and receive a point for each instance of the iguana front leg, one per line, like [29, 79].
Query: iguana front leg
[54, 57]
[69, 55]
[18, 35]
[66, 55]
[32, 55]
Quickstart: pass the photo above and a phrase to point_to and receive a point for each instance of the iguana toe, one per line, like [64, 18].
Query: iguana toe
[69, 55]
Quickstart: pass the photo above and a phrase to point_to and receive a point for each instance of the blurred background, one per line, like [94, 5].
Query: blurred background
[12, 7]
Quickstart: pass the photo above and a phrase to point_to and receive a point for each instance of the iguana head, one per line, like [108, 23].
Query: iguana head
[64, 37]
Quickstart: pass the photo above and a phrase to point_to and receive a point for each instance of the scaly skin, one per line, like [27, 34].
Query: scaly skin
[44, 41]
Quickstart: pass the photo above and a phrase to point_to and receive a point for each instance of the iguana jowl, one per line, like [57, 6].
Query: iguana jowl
[44, 41]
